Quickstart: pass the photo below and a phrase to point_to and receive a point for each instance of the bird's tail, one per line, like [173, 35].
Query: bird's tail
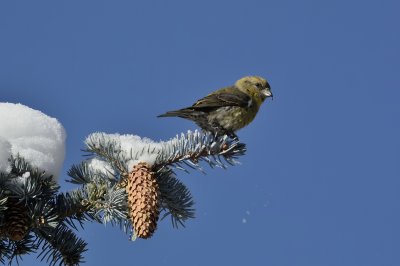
[169, 114]
[183, 113]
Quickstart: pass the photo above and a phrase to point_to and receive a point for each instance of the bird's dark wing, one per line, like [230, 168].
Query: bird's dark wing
[229, 96]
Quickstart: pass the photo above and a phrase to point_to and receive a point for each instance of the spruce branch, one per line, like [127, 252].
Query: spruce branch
[29, 215]
[181, 152]
[126, 181]
[176, 199]
[19, 248]
[73, 207]
[109, 150]
[60, 245]
[191, 148]
[100, 196]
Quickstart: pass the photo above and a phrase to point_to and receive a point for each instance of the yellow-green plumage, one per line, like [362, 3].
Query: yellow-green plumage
[228, 109]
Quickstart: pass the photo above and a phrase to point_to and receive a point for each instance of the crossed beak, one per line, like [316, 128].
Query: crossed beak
[267, 93]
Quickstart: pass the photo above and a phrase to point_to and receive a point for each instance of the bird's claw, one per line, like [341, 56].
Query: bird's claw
[233, 136]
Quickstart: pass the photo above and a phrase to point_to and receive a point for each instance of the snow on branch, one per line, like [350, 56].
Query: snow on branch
[126, 180]
[29, 133]
[122, 152]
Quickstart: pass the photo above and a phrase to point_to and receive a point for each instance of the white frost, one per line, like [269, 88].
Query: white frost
[134, 147]
[36, 137]
[26, 175]
[5, 153]
[100, 166]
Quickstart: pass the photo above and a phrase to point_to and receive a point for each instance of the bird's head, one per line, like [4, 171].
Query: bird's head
[255, 85]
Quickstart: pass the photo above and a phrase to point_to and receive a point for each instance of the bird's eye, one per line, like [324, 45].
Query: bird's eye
[258, 85]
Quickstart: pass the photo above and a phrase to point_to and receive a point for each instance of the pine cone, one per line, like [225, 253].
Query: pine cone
[17, 220]
[143, 194]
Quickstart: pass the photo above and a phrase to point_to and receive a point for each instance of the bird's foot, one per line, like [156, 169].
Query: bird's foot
[233, 136]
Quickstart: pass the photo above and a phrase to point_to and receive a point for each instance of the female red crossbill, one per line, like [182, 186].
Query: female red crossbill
[228, 109]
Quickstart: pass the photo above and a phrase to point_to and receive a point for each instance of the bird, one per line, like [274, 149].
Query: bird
[225, 111]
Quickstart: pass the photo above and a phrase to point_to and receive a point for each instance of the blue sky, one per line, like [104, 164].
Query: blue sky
[320, 182]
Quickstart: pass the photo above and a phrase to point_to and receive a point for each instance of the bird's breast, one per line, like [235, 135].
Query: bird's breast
[233, 117]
